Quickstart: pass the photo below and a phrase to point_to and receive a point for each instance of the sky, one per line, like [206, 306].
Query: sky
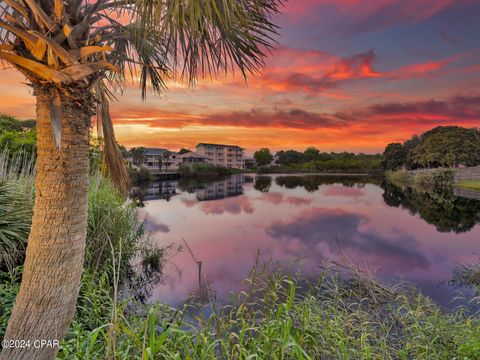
[351, 75]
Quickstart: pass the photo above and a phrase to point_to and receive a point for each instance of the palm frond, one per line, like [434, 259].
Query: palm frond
[210, 36]
[86, 42]
[113, 157]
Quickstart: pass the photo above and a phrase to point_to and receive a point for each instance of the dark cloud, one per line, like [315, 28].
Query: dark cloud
[294, 118]
[234, 206]
[448, 39]
[319, 227]
[279, 198]
[156, 227]
[462, 107]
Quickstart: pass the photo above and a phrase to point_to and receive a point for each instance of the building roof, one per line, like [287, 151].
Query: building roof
[191, 154]
[220, 145]
[155, 151]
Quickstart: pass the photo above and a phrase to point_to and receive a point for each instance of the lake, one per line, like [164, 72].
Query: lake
[399, 234]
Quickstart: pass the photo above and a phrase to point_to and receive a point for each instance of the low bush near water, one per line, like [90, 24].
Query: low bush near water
[440, 179]
[205, 171]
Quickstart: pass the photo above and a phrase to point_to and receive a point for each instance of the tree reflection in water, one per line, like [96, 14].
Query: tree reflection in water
[444, 210]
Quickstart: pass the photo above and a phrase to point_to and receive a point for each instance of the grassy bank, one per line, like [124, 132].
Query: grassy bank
[206, 171]
[436, 180]
[469, 185]
[278, 317]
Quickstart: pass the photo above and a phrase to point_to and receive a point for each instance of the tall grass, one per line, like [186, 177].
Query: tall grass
[114, 226]
[16, 204]
[284, 316]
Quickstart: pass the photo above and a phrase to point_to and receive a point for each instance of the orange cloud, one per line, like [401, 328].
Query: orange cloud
[413, 71]
[362, 129]
[313, 71]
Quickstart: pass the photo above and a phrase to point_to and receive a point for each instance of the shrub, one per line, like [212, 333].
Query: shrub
[399, 177]
[204, 170]
[140, 176]
[115, 233]
[438, 179]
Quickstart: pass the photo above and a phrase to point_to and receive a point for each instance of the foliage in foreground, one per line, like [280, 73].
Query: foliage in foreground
[279, 317]
[114, 226]
[16, 206]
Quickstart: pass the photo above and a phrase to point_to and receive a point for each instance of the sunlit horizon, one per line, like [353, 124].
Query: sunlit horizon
[345, 76]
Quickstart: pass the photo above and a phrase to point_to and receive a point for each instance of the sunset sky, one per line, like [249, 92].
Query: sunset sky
[346, 75]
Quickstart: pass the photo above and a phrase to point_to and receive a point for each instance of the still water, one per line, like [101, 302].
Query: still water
[399, 234]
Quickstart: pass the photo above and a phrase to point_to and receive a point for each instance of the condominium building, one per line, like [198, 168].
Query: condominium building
[231, 156]
[158, 160]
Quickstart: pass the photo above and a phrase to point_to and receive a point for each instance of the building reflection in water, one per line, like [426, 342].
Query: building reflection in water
[229, 187]
[205, 191]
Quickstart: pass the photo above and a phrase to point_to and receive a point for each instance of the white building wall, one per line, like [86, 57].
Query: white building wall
[223, 155]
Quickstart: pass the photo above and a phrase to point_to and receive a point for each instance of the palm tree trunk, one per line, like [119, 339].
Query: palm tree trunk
[48, 293]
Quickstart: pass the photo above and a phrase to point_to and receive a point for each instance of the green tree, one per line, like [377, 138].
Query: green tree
[138, 155]
[184, 151]
[290, 157]
[450, 146]
[263, 157]
[9, 123]
[443, 146]
[76, 54]
[311, 154]
[29, 124]
[408, 147]
[394, 156]
[124, 151]
[19, 142]
[16, 137]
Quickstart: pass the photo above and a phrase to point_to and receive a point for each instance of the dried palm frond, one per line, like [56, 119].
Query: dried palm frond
[113, 157]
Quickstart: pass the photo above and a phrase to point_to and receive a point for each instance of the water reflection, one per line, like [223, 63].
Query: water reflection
[444, 210]
[315, 218]
[204, 191]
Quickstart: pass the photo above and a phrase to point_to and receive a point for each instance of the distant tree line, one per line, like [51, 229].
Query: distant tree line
[313, 160]
[443, 146]
[18, 136]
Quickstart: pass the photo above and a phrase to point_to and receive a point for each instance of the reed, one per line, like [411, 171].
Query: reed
[284, 316]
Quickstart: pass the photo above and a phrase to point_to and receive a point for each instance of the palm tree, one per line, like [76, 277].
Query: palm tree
[75, 54]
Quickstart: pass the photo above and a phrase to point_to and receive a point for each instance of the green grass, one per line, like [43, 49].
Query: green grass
[280, 317]
[469, 185]
[16, 204]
